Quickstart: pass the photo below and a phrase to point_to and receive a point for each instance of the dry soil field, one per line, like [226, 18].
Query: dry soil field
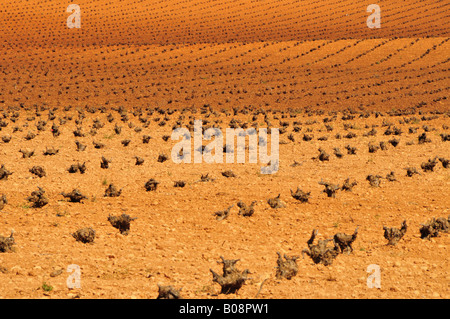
[364, 140]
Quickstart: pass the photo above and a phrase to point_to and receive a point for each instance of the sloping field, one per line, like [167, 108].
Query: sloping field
[377, 74]
[176, 237]
[271, 54]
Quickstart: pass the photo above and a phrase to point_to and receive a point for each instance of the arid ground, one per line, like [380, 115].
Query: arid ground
[312, 69]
